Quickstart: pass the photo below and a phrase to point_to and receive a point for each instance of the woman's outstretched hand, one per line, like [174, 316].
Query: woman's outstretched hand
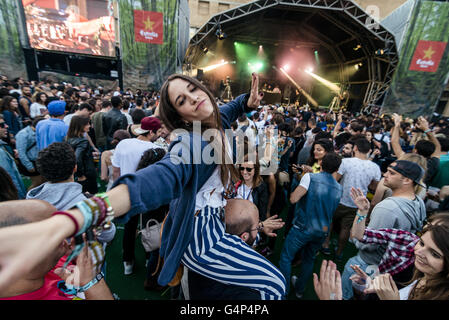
[255, 96]
[328, 286]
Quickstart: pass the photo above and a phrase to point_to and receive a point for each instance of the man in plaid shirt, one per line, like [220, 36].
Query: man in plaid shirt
[402, 211]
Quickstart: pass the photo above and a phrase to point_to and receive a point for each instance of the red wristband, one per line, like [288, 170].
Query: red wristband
[71, 217]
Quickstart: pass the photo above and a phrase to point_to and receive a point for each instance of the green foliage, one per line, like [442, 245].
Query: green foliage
[148, 64]
[12, 62]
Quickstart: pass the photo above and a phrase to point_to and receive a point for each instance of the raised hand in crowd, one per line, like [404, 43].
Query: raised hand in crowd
[270, 224]
[328, 286]
[360, 200]
[255, 96]
[397, 119]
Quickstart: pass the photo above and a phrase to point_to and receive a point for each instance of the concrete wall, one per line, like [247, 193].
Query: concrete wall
[202, 10]
[385, 6]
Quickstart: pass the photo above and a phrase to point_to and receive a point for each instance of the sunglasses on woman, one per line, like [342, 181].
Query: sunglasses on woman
[245, 168]
[2, 124]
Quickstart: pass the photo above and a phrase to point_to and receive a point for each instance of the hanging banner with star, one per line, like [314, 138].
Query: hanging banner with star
[149, 26]
[423, 67]
[427, 56]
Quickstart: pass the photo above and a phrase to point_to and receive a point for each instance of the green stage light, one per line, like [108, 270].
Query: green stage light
[255, 66]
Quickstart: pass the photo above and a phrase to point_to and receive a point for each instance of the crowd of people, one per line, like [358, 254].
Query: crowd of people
[379, 182]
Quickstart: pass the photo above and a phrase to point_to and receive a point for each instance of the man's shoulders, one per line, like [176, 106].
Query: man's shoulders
[389, 204]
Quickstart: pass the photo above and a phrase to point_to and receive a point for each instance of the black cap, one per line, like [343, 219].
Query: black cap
[409, 170]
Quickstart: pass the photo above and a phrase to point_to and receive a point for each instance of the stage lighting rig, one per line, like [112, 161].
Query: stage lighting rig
[380, 52]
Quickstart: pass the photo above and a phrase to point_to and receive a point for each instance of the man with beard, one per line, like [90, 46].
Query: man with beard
[242, 220]
[25, 102]
[347, 150]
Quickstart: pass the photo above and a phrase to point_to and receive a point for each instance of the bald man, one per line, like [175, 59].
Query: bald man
[242, 220]
[42, 282]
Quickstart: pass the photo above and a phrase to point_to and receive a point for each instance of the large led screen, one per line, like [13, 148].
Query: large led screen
[78, 26]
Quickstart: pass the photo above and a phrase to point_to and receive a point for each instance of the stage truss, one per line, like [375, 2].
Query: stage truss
[343, 14]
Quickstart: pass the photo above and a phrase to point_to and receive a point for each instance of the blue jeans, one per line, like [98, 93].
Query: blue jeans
[346, 283]
[298, 238]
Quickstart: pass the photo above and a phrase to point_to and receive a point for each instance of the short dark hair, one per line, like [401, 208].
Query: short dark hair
[105, 104]
[36, 120]
[126, 104]
[285, 127]
[116, 101]
[357, 127]
[444, 142]
[425, 148]
[87, 106]
[137, 115]
[57, 162]
[316, 130]
[139, 101]
[323, 135]
[298, 131]
[150, 156]
[331, 162]
[362, 145]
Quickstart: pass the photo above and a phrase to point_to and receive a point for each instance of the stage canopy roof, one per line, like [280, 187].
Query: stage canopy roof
[342, 32]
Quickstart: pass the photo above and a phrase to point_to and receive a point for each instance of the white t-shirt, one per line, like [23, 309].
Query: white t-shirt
[305, 181]
[244, 192]
[405, 292]
[37, 109]
[386, 138]
[128, 117]
[128, 152]
[68, 119]
[211, 193]
[356, 173]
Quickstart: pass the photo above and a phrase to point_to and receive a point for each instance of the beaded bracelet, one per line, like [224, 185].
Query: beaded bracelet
[71, 217]
[94, 208]
[102, 207]
[361, 217]
[107, 223]
[87, 214]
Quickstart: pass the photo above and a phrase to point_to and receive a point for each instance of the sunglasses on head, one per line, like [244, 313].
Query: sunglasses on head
[245, 168]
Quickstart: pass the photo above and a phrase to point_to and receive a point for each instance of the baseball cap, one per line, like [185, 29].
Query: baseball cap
[409, 170]
[148, 124]
[56, 108]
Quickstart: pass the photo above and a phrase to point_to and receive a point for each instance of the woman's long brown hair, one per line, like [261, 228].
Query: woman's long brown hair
[172, 120]
[76, 128]
[437, 287]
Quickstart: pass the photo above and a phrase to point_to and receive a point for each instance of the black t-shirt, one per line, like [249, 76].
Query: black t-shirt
[433, 164]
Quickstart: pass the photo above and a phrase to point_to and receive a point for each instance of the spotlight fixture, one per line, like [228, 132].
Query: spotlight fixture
[220, 34]
[358, 47]
[205, 49]
[380, 52]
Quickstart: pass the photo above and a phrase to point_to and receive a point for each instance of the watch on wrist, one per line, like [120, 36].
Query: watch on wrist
[92, 282]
